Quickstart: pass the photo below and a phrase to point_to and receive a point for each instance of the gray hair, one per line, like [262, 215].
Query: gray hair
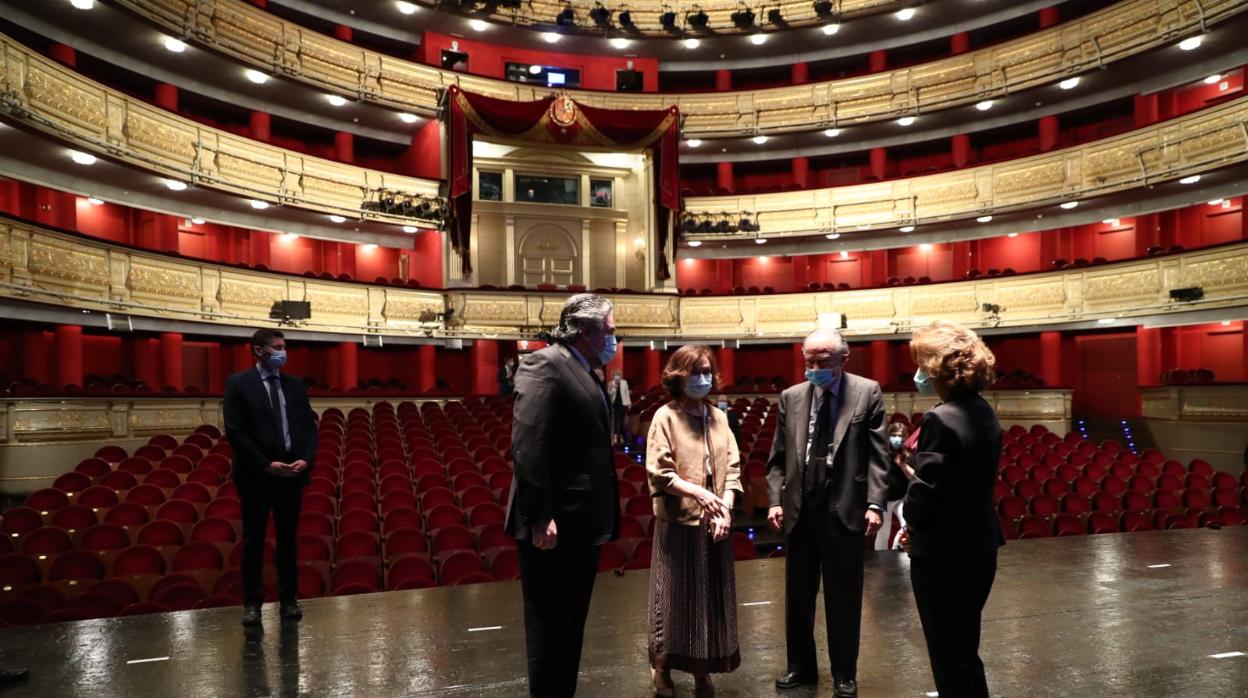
[824, 334]
[582, 311]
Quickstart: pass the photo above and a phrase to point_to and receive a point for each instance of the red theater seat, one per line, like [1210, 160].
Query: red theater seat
[74, 517]
[77, 564]
[17, 570]
[197, 555]
[213, 530]
[47, 499]
[48, 540]
[410, 573]
[161, 533]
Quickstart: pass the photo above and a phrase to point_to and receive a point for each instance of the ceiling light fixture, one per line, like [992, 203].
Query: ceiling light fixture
[984, 219]
[692, 43]
[197, 221]
[907, 228]
[1216, 202]
[82, 4]
[1213, 79]
[758, 39]
[760, 241]
[693, 142]
[1191, 179]
[905, 121]
[409, 229]
[82, 158]
[175, 185]
[174, 45]
[831, 132]
[336, 100]
[694, 243]
[1068, 205]
[620, 42]
[550, 37]
[905, 14]
[984, 105]
[1069, 83]
[1191, 43]
[338, 219]
[94, 201]
[257, 204]
[370, 247]
[831, 29]
[406, 8]
[759, 139]
[478, 25]
[408, 118]
[256, 76]
[832, 236]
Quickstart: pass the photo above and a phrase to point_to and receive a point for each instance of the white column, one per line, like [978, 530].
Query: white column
[585, 226]
[509, 226]
[622, 250]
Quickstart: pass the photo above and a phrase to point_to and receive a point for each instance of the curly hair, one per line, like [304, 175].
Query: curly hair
[681, 364]
[954, 356]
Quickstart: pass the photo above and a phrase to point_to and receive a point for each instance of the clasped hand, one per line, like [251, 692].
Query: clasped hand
[716, 514]
[279, 469]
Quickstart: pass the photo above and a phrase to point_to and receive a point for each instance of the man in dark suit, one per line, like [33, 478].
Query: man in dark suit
[564, 501]
[827, 484]
[272, 430]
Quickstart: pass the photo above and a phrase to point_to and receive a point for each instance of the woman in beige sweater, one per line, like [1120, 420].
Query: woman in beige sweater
[693, 463]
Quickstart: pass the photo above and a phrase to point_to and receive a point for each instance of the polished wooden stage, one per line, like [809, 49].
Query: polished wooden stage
[1139, 614]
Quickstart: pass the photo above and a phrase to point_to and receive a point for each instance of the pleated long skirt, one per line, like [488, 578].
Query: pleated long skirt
[693, 601]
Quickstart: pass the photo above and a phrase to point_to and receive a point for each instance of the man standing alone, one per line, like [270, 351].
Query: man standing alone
[564, 501]
[827, 485]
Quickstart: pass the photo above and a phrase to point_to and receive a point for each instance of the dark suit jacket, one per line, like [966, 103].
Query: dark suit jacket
[561, 444]
[253, 434]
[949, 507]
[860, 452]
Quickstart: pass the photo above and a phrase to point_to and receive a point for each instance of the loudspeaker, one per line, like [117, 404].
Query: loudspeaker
[1187, 295]
[291, 310]
[455, 60]
[628, 81]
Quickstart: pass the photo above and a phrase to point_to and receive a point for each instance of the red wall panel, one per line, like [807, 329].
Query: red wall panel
[1106, 377]
[597, 71]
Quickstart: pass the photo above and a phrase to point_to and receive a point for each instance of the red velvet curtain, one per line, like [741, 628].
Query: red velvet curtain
[560, 120]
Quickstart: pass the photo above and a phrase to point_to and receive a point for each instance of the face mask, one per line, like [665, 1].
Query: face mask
[723, 406]
[895, 442]
[277, 359]
[697, 386]
[607, 355]
[923, 383]
[822, 377]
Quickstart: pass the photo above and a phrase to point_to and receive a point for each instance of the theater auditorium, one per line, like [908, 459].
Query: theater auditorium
[295, 297]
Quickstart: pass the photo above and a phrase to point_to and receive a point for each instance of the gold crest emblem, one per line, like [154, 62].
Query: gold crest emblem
[563, 110]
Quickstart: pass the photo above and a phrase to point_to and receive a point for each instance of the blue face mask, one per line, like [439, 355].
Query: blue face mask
[277, 358]
[723, 406]
[698, 385]
[822, 377]
[607, 355]
[923, 383]
[895, 442]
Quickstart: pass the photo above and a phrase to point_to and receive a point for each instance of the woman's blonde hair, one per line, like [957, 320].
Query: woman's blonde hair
[954, 356]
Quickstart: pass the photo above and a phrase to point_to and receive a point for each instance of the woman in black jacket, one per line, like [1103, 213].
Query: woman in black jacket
[951, 522]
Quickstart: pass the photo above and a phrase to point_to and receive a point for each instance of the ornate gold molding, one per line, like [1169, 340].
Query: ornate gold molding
[1193, 144]
[59, 101]
[1201, 403]
[1125, 29]
[68, 271]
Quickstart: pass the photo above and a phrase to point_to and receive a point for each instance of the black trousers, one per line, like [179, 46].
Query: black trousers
[820, 548]
[950, 593]
[557, 585]
[283, 497]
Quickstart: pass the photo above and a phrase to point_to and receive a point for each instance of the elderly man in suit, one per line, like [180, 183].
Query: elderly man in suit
[272, 430]
[564, 501]
[827, 485]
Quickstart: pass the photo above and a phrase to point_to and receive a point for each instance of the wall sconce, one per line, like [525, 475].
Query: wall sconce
[639, 249]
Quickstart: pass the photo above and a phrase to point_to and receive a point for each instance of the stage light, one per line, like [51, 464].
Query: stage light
[336, 100]
[174, 45]
[82, 4]
[197, 221]
[257, 204]
[758, 39]
[697, 20]
[478, 25]
[692, 43]
[550, 37]
[566, 18]
[94, 201]
[256, 76]
[831, 132]
[1069, 83]
[620, 42]
[775, 17]
[743, 18]
[600, 15]
[408, 118]
[830, 29]
[1213, 79]
[984, 105]
[905, 14]
[759, 139]
[1068, 205]
[626, 19]
[82, 158]
[406, 8]
[1192, 179]
[1191, 43]
[668, 20]
[338, 219]
[693, 142]
[984, 219]
[907, 228]
[823, 8]
[832, 236]
[905, 121]
[175, 185]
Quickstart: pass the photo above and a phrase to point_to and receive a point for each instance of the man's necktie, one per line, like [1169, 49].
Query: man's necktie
[816, 460]
[275, 406]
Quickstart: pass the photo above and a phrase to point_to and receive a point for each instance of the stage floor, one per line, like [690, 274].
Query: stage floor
[1084, 616]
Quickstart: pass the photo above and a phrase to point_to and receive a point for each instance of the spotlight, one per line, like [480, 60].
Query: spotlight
[830, 29]
[1069, 83]
[759, 139]
[550, 37]
[1191, 43]
[82, 158]
[338, 219]
[256, 76]
[907, 228]
[1068, 205]
[697, 20]
[258, 204]
[174, 45]
[823, 8]
[407, 118]
[336, 100]
[406, 8]
[984, 219]
[743, 18]
[758, 39]
[197, 221]
[409, 229]
[693, 142]
[600, 15]
[694, 243]
[831, 132]
[832, 236]
[82, 4]
[984, 105]
[905, 121]
[1012, 235]
[692, 43]
[775, 17]
[760, 241]
[905, 14]
[668, 20]
[626, 20]
[1190, 179]
[620, 42]
[175, 185]
[478, 25]
[566, 18]
[1216, 202]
